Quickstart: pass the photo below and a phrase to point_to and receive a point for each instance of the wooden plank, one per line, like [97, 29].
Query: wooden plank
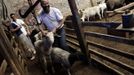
[73, 42]
[113, 61]
[3, 67]
[103, 64]
[77, 26]
[113, 50]
[108, 67]
[10, 57]
[111, 25]
[122, 9]
[97, 24]
[110, 49]
[109, 37]
[72, 36]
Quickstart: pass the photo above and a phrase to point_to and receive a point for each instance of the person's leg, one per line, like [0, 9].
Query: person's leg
[62, 39]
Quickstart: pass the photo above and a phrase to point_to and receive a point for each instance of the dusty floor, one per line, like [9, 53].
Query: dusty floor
[77, 69]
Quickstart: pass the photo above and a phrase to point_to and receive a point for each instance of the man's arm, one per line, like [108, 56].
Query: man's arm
[59, 18]
[17, 28]
[27, 28]
[42, 29]
[61, 23]
[25, 25]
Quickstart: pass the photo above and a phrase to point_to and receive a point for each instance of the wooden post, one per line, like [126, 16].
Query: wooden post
[94, 2]
[122, 9]
[10, 57]
[91, 2]
[1, 73]
[78, 28]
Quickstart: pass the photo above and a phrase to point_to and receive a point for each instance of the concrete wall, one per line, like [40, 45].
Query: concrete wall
[14, 5]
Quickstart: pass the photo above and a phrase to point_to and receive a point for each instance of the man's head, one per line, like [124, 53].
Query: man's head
[45, 5]
[13, 16]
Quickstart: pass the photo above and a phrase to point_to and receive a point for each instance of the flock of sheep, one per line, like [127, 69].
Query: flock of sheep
[99, 9]
[92, 11]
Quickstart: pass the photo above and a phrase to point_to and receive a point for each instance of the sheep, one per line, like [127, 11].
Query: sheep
[90, 11]
[58, 55]
[102, 6]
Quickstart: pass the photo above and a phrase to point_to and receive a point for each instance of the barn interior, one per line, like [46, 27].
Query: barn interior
[107, 42]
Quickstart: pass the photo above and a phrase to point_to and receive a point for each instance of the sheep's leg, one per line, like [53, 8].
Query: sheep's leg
[102, 13]
[99, 15]
[83, 18]
[88, 18]
[68, 71]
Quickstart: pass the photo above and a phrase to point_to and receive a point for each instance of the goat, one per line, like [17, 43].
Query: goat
[102, 6]
[90, 11]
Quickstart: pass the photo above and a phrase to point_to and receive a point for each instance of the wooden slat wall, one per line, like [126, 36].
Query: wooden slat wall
[3, 67]
[72, 40]
[11, 56]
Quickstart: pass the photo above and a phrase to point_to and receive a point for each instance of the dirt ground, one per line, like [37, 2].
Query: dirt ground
[77, 69]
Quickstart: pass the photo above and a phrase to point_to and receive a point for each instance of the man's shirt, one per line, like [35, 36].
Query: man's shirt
[20, 22]
[51, 20]
[18, 32]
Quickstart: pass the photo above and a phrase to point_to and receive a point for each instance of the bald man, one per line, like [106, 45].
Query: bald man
[52, 19]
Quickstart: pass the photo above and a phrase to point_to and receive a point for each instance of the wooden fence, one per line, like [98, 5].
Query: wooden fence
[11, 56]
[73, 42]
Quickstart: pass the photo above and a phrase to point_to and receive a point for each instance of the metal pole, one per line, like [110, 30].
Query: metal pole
[79, 30]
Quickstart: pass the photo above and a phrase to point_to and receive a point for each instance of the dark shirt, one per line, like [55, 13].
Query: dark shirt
[18, 32]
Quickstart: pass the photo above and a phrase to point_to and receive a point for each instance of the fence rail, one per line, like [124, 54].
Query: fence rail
[117, 39]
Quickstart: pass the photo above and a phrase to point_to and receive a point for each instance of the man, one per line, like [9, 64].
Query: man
[20, 22]
[52, 19]
[17, 29]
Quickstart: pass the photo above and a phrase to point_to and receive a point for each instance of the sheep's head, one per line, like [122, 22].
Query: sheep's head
[81, 13]
[48, 40]
[50, 35]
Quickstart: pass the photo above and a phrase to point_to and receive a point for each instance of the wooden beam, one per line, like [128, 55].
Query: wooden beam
[113, 61]
[10, 57]
[3, 67]
[122, 9]
[110, 37]
[113, 50]
[78, 28]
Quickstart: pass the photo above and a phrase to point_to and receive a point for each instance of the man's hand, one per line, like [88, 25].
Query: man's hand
[54, 30]
[44, 33]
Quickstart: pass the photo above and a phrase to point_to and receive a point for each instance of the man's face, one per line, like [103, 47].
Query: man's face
[13, 17]
[45, 6]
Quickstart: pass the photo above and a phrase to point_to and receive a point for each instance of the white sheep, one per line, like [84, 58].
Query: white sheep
[102, 6]
[90, 11]
[58, 55]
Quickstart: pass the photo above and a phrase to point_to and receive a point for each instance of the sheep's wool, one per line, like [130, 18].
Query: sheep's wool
[61, 56]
